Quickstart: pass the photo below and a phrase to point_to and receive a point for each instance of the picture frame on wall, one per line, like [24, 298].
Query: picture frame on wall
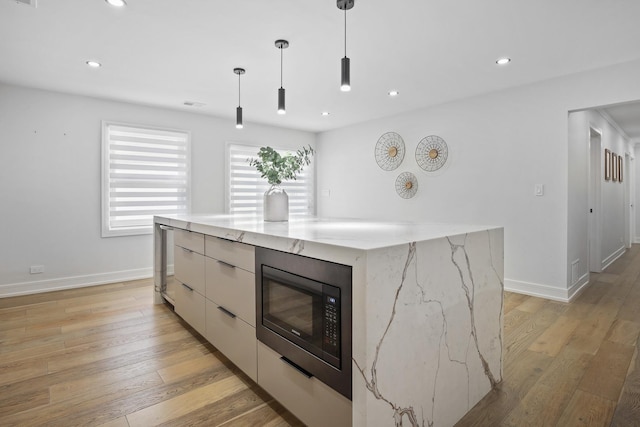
[614, 167]
[619, 168]
[607, 164]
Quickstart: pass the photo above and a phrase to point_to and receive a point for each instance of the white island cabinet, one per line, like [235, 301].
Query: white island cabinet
[427, 303]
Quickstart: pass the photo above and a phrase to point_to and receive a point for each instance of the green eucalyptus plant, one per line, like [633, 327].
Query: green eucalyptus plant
[277, 168]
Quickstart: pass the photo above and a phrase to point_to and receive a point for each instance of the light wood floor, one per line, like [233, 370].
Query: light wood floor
[571, 364]
[106, 355]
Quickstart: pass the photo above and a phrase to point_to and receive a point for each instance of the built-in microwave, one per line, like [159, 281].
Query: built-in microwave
[303, 311]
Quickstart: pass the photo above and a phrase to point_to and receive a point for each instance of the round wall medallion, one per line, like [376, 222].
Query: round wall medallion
[406, 185]
[432, 153]
[389, 151]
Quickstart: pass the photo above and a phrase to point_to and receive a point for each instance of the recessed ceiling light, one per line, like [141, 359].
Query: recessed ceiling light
[93, 64]
[117, 3]
[503, 61]
[393, 93]
[325, 113]
[32, 3]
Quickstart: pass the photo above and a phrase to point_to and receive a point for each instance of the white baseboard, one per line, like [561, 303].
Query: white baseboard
[537, 290]
[558, 294]
[614, 256]
[577, 288]
[58, 284]
[636, 239]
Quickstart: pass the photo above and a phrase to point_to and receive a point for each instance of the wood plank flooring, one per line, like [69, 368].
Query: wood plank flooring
[107, 356]
[571, 364]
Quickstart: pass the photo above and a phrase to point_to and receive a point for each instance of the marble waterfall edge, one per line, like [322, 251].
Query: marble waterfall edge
[432, 328]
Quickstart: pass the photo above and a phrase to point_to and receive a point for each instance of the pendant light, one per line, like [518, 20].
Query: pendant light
[345, 80]
[281, 44]
[239, 125]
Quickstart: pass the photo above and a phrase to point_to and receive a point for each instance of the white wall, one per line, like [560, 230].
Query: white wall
[501, 145]
[50, 184]
[611, 202]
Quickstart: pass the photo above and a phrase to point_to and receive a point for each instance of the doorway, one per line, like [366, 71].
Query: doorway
[627, 177]
[595, 200]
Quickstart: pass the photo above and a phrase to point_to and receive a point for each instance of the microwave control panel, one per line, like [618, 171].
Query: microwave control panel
[331, 325]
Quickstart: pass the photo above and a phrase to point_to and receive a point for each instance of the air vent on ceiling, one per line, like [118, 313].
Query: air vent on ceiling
[32, 3]
[194, 104]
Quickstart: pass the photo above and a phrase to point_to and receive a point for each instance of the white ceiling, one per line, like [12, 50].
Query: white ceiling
[165, 52]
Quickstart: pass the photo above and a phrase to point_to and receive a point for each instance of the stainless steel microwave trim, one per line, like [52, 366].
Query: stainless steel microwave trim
[326, 272]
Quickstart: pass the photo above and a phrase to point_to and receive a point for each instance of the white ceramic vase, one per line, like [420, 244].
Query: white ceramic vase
[276, 204]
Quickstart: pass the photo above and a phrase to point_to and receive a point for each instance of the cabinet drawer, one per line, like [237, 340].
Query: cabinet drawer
[189, 239]
[189, 268]
[234, 253]
[234, 338]
[312, 401]
[190, 305]
[231, 287]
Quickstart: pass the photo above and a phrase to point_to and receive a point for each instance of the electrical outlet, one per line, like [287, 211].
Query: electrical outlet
[36, 269]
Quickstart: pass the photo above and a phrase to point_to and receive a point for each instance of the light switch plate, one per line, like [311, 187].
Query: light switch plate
[539, 190]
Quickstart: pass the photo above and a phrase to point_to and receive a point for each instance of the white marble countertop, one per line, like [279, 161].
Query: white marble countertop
[349, 233]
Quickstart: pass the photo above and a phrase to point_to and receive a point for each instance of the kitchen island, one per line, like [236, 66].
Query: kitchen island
[427, 302]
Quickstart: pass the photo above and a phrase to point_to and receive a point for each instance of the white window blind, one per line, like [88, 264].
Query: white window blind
[145, 173]
[245, 187]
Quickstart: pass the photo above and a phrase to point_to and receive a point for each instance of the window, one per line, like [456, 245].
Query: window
[145, 172]
[245, 187]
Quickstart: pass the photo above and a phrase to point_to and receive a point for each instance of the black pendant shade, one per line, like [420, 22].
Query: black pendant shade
[239, 124]
[281, 106]
[345, 81]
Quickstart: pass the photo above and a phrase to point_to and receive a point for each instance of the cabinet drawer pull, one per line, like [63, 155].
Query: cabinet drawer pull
[187, 250]
[188, 287]
[227, 312]
[166, 228]
[226, 264]
[296, 367]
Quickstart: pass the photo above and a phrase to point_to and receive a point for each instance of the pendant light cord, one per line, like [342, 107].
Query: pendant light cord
[345, 32]
[281, 66]
[238, 89]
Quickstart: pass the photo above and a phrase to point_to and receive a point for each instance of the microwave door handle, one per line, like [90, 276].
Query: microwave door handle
[296, 367]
